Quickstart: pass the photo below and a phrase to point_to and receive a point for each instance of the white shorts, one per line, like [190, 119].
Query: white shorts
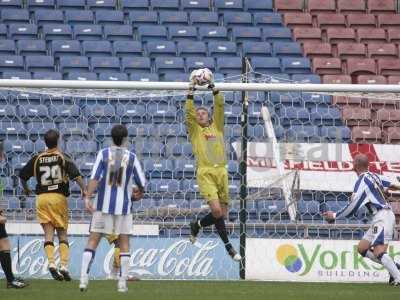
[382, 228]
[111, 224]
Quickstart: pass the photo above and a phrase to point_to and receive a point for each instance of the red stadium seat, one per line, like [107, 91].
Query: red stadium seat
[326, 66]
[356, 116]
[302, 34]
[388, 21]
[347, 101]
[348, 50]
[330, 20]
[361, 20]
[297, 19]
[351, 6]
[371, 79]
[382, 51]
[289, 5]
[313, 49]
[387, 117]
[394, 35]
[321, 6]
[388, 66]
[376, 35]
[335, 35]
[366, 134]
[394, 79]
[393, 135]
[336, 79]
[360, 66]
[376, 104]
[381, 6]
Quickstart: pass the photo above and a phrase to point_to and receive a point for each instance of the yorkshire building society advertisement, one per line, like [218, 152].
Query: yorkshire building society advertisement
[312, 260]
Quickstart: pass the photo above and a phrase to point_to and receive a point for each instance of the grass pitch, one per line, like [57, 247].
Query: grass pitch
[201, 290]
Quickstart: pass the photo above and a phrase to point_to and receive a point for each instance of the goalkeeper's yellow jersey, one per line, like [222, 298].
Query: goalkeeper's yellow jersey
[207, 142]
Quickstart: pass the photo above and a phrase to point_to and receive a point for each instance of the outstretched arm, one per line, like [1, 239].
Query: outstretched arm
[190, 111]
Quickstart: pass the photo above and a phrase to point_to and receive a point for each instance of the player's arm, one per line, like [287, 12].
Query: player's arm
[139, 180]
[97, 174]
[26, 173]
[218, 114]
[190, 111]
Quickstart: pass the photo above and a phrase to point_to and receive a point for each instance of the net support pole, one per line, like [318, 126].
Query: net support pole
[243, 173]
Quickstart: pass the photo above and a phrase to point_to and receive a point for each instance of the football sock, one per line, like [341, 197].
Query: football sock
[49, 249]
[221, 229]
[389, 265]
[64, 253]
[87, 260]
[372, 257]
[124, 256]
[117, 259]
[5, 260]
[207, 220]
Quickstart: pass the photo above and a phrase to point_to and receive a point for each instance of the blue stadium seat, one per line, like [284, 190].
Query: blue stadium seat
[164, 4]
[289, 98]
[182, 33]
[81, 147]
[172, 130]
[222, 49]
[199, 18]
[31, 47]
[88, 32]
[197, 49]
[182, 149]
[127, 48]
[118, 32]
[11, 4]
[152, 33]
[296, 65]
[175, 77]
[287, 49]
[289, 115]
[39, 128]
[190, 186]
[146, 77]
[102, 130]
[74, 129]
[71, 4]
[109, 17]
[336, 133]
[11, 63]
[29, 112]
[149, 148]
[184, 169]
[254, 6]
[57, 32]
[81, 76]
[17, 75]
[232, 19]
[96, 48]
[64, 111]
[7, 47]
[300, 133]
[12, 15]
[228, 5]
[246, 34]
[23, 31]
[197, 5]
[233, 113]
[3, 31]
[105, 64]
[63, 48]
[164, 186]
[79, 17]
[146, 130]
[107, 5]
[200, 62]
[98, 112]
[131, 112]
[158, 168]
[173, 18]
[306, 78]
[46, 16]
[39, 63]
[134, 5]
[312, 100]
[274, 34]
[40, 4]
[139, 18]
[74, 64]
[113, 76]
[252, 49]
[161, 48]
[269, 19]
[161, 113]
[266, 64]
[169, 65]
[9, 128]
[135, 64]
[209, 34]
[18, 163]
[47, 75]
[326, 116]
[7, 111]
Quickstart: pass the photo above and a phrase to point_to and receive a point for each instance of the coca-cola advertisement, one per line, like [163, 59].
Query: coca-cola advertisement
[151, 258]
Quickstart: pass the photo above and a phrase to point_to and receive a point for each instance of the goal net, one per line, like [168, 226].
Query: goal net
[300, 145]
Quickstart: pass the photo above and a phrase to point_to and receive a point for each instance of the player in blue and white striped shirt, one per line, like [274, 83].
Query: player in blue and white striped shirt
[370, 191]
[119, 179]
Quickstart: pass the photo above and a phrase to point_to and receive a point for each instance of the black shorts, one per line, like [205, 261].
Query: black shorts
[3, 232]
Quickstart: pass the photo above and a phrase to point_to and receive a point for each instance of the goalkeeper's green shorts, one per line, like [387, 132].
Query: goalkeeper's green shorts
[213, 184]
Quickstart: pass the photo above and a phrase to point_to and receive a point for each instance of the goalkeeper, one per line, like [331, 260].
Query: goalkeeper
[207, 138]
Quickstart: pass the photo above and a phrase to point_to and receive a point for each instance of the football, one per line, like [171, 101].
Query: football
[201, 76]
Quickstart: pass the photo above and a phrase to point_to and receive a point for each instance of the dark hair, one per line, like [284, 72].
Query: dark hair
[51, 138]
[118, 133]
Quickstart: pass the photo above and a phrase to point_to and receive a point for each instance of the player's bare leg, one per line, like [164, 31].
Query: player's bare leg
[124, 258]
[87, 259]
[64, 253]
[48, 229]
[5, 261]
